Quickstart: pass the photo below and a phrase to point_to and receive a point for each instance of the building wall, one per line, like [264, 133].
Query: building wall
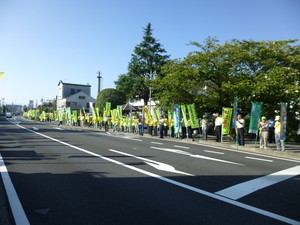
[66, 91]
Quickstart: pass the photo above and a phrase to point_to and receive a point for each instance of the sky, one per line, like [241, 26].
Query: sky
[45, 41]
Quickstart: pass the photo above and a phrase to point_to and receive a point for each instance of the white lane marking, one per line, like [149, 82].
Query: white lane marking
[176, 183]
[14, 201]
[34, 128]
[108, 132]
[220, 153]
[131, 138]
[157, 143]
[171, 150]
[266, 160]
[123, 137]
[195, 156]
[184, 147]
[58, 128]
[155, 164]
[214, 159]
[248, 153]
[240, 190]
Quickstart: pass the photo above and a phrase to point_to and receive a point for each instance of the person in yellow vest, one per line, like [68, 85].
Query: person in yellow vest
[172, 128]
[150, 127]
[277, 133]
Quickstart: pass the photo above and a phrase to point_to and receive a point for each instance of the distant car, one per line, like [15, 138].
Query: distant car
[8, 115]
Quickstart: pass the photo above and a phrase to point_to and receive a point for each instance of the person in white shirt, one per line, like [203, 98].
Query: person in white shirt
[218, 126]
[240, 124]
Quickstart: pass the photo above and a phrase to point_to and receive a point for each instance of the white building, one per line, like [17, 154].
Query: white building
[75, 96]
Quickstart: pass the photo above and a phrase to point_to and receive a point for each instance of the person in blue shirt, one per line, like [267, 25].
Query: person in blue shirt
[271, 123]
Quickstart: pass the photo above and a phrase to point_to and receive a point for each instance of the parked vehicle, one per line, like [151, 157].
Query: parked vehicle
[8, 115]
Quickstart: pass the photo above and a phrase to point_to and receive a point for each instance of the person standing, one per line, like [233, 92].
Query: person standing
[204, 127]
[264, 132]
[183, 129]
[277, 128]
[140, 124]
[166, 126]
[106, 123]
[155, 123]
[218, 126]
[271, 130]
[240, 125]
[150, 128]
[161, 127]
[189, 127]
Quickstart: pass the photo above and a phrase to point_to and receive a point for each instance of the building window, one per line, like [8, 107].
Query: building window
[81, 97]
[73, 104]
[72, 92]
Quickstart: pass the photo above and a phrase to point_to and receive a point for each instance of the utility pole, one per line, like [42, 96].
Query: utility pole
[99, 78]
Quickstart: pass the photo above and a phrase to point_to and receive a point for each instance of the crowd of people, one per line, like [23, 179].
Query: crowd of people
[268, 132]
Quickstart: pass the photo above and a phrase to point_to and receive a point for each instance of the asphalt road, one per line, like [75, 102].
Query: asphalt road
[64, 176]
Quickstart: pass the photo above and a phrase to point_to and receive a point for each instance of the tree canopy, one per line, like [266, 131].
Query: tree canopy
[266, 71]
[148, 58]
[115, 97]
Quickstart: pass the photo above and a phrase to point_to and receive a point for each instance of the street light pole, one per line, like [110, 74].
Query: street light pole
[151, 76]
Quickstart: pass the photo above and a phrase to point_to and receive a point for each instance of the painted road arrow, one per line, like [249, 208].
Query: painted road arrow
[155, 164]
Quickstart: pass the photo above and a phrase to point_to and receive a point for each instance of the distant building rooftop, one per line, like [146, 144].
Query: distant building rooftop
[82, 85]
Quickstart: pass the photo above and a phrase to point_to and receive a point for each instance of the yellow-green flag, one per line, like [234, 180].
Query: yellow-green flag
[227, 113]
[1, 73]
[193, 116]
[107, 108]
[183, 110]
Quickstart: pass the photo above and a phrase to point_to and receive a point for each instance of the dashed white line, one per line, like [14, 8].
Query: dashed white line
[184, 147]
[157, 143]
[220, 153]
[265, 160]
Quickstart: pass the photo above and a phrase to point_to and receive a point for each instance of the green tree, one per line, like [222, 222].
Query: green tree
[148, 58]
[266, 71]
[109, 95]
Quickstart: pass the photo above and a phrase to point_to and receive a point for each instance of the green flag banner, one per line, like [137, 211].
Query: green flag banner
[226, 115]
[60, 115]
[283, 120]
[156, 114]
[119, 108]
[107, 108]
[183, 110]
[193, 116]
[255, 115]
[74, 114]
[176, 119]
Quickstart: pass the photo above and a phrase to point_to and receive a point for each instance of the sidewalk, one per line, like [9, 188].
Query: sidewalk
[292, 150]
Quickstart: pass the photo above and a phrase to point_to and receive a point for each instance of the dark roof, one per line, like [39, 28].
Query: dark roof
[126, 107]
[84, 85]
